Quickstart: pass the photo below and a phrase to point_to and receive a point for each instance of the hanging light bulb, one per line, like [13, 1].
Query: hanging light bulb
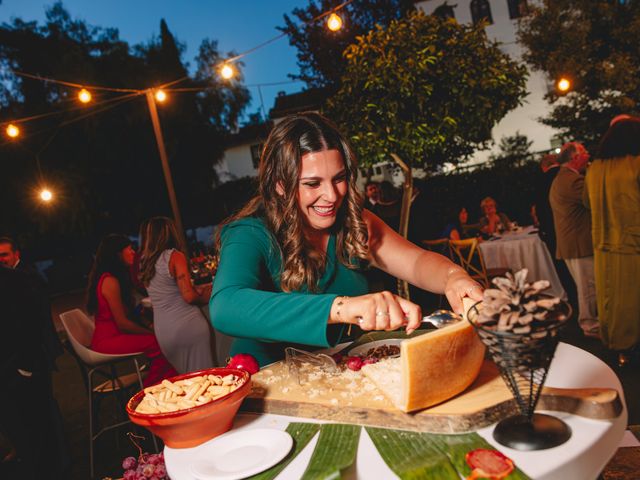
[12, 131]
[334, 22]
[46, 195]
[161, 95]
[84, 95]
[564, 84]
[227, 71]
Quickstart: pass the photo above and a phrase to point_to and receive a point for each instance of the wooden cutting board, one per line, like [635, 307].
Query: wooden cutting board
[350, 397]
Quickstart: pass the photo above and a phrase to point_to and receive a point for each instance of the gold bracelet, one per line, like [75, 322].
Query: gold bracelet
[339, 304]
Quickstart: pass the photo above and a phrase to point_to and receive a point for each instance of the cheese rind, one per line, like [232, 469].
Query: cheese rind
[432, 367]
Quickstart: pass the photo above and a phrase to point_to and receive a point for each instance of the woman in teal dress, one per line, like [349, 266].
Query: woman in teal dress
[291, 260]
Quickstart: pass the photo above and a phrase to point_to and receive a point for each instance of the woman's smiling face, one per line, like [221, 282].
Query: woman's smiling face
[321, 188]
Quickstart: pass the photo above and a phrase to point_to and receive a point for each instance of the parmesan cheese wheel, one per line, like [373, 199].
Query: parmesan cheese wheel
[432, 367]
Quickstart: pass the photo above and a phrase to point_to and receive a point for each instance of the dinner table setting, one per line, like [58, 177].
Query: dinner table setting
[315, 415]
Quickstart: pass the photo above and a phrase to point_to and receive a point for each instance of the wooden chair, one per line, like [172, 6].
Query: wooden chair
[439, 245]
[469, 256]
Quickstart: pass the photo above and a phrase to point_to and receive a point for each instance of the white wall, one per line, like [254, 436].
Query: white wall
[236, 163]
[523, 119]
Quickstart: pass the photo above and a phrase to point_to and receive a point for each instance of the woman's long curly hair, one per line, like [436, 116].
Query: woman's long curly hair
[108, 260]
[280, 164]
[157, 235]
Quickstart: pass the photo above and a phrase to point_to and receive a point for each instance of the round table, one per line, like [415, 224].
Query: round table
[582, 457]
[523, 249]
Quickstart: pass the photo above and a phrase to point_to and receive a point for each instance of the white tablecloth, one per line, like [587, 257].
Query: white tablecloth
[520, 250]
[582, 457]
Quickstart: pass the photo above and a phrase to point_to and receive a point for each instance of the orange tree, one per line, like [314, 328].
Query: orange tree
[427, 89]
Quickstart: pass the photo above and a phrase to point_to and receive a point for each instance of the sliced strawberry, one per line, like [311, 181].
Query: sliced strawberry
[489, 464]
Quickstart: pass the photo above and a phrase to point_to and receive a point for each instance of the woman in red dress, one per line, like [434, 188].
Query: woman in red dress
[110, 300]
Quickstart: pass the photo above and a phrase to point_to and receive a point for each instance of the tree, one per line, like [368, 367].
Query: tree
[320, 50]
[514, 151]
[596, 44]
[427, 89]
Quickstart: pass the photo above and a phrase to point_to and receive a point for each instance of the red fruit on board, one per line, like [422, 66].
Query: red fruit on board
[244, 361]
[354, 363]
[489, 464]
[370, 360]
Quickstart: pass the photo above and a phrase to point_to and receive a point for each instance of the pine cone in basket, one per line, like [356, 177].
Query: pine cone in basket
[517, 306]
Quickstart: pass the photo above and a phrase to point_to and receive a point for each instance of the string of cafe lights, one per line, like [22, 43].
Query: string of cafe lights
[226, 69]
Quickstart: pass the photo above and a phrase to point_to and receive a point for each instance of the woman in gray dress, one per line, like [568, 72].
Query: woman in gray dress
[182, 330]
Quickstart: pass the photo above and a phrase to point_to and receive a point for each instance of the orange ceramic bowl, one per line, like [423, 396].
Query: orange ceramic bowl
[193, 426]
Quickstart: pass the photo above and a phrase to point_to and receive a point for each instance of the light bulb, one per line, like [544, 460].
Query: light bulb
[334, 22]
[12, 130]
[46, 195]
[84, 95]
[227, 71]
[564, 84]
[161, 95]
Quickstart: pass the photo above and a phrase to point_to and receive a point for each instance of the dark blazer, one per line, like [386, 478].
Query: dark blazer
[543, 208]
[571, 218]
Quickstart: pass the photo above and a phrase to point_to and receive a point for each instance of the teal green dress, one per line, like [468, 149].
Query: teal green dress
[247, 302]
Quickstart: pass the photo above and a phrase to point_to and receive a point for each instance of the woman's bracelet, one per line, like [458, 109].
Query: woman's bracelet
[339, 304]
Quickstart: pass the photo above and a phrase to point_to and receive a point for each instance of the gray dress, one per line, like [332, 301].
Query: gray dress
[181, 329]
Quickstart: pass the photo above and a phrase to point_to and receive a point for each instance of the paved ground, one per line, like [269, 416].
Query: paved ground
[112, 447]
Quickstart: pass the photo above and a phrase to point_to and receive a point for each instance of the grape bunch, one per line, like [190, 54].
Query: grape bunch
[145, 467]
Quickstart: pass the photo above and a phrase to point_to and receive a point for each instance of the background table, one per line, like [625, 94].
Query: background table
[582, 457]
[523, 249]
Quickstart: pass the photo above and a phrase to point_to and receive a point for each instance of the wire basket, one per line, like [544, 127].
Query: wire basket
[523, 362]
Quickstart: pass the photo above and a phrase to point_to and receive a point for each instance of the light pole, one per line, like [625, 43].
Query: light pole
[153, 112]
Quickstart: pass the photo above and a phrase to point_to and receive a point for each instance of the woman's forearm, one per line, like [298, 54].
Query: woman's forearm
[432, 271]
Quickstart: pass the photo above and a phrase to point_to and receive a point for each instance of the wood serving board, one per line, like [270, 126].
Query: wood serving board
[350, 397]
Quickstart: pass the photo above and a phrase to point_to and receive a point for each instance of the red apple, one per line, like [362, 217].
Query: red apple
[244, 361]
[354, 363]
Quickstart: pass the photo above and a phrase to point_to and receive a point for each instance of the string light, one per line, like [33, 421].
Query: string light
[227, 71]
[12, 131]
[564, 84]
[84, 95]
[334, 22]
[46, 195]
[161, 95]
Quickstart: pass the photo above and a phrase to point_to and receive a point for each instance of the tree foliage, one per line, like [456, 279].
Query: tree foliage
[427, 89]
[101, 160]
[596, 44]
[320, 50]
[514, 150]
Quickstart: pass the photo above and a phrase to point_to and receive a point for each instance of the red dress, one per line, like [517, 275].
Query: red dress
[107, 338]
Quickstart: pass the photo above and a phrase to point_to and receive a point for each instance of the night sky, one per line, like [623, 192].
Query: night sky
[237, 25]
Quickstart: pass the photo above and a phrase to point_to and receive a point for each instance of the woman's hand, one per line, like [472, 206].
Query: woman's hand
[460, 284]
[377, 311]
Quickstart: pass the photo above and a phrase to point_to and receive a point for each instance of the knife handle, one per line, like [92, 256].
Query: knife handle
[597, 403]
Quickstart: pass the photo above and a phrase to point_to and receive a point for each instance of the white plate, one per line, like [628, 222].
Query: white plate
[241, 454]
[365, 347]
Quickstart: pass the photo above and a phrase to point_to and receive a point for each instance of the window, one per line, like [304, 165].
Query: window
[256, 150]
[481, 10]
[517, 8]
[445, 11]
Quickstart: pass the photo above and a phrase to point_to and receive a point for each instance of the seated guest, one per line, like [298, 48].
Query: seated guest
[180, 327]
[372, 194]
[110, 299]
[492, 221]
[456, 229]
[389, 205]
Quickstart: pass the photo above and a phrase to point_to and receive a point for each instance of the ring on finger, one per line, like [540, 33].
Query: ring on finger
[381, 313]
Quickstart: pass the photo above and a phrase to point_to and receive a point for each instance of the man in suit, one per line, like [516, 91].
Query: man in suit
[572, 222]
[372, 194]
[26, 415]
